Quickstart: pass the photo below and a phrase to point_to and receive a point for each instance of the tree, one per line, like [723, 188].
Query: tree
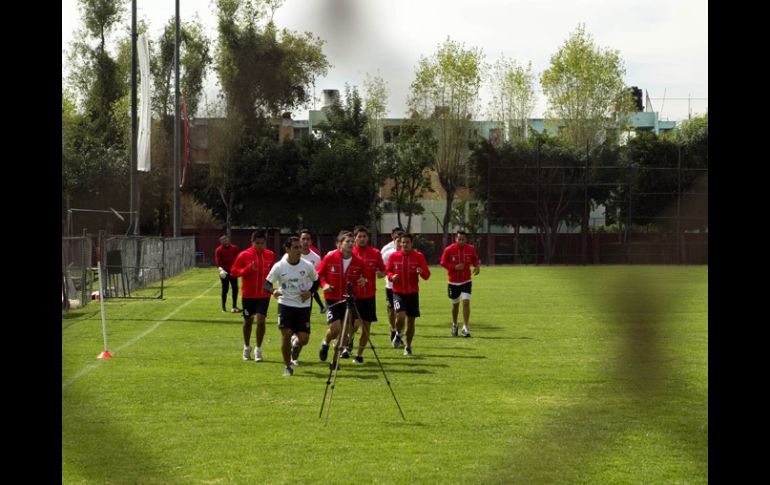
[408, 161]
[158, 185]
[375, 108]
[342, 174]
[538, 182]
[445, 93]
[263, 72]
[95, 122]
[585, 90]
[660, 170]
[513, 97]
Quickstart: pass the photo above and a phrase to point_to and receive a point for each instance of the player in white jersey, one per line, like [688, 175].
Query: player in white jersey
[386, 252]
[296, 281]
[310, 254]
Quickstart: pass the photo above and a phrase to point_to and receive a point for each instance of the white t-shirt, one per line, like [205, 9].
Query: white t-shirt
[386, 251]
[310, 257]
[292, 279]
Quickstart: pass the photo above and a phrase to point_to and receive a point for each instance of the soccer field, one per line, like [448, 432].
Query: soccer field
[572, 375]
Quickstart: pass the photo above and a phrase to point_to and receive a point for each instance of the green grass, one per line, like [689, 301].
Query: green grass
[573, 375]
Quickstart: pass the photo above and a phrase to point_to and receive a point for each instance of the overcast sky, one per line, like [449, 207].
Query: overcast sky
[664, 42]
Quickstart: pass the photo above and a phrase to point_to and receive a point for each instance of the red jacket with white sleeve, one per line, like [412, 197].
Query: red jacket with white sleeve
[453, 255]
[253, 267]
[372, 263]
[405, 266]
[331, 271]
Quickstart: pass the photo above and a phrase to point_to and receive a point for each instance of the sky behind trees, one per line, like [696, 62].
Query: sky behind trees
[664, 43]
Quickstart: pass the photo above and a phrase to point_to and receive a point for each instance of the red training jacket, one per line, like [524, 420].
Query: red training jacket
[253, 278]
[454, 255]
[330, 271]
[405, 266]
[372, 263]
[224, 257]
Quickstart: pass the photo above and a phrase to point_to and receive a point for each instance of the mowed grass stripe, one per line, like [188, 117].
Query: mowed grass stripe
[94, 365]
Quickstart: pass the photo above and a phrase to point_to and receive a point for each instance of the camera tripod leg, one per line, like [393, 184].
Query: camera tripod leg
[374, 351]
[335, 365]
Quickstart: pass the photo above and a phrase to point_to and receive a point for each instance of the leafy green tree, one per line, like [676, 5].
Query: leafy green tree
[95, 123]
[375, 108]
[445, 93]
[585, 90]
[157, 186]
[659, 171]
[538, 182]
[409, 161]
[342, 174]
[513, 97]
[263, 72]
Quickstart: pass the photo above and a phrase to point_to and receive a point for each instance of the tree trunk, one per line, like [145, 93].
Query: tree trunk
[450, 197]
[373, 220]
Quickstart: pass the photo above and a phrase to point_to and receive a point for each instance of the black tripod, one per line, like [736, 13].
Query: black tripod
[350, 312]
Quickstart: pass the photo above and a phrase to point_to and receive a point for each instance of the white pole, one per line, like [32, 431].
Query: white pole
[105, 354]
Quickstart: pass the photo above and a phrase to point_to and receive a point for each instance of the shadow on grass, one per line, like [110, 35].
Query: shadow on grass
[476, 337]
[453, 356]
[98, 450]
[568, 445]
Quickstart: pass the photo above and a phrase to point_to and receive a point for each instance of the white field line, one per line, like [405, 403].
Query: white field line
[157, 324]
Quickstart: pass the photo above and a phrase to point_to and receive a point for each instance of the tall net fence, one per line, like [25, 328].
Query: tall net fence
[78, 275]
[132, 266]
[136, 266]
[614, 207]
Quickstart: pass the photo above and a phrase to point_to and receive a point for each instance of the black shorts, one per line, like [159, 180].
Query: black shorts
[389, 297]
[297, 319]
[455, 290]
[337, 312]
[407, 303]
[253, 306]
[367, 309]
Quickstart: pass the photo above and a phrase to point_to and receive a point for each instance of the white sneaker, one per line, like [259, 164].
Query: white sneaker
[466, 332]
[258, 355]
[294, 363]
[454, 330]
[247, 353]
[407, 350]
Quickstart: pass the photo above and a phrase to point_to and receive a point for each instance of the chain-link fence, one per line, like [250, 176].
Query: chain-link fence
[136, 266]
[132, 266]
[77, 269]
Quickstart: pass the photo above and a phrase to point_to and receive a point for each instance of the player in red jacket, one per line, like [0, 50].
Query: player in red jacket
[337, 269]
[403, 269]
[253, 266]
[366, 301]
[458, 258]
[224, 256]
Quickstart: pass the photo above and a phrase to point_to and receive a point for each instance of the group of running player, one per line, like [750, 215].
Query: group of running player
[296, 278]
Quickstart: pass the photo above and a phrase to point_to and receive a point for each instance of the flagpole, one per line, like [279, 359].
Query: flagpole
[177, 208]
[133, 224]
